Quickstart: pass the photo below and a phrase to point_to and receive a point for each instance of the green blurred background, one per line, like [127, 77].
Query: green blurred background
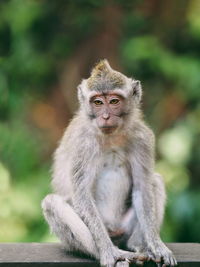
[47, 47]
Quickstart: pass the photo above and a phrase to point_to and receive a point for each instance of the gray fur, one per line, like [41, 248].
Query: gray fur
[94, 175]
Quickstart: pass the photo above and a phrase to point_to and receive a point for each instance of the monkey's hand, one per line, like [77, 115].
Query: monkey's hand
[158, 252]
[110, 257]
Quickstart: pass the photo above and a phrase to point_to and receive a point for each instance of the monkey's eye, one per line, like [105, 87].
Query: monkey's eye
[114, 101]
[98, 102]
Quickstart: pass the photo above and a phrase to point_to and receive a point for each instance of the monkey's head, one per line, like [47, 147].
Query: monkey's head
[108, 97]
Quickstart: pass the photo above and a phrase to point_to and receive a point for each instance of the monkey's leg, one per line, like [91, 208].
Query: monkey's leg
[136, 241]
[68, 226]
[144, 245]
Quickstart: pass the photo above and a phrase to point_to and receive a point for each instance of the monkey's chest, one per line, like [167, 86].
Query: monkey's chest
[112, 190]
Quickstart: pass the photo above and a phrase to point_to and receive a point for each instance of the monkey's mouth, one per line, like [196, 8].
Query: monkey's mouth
[108, 129]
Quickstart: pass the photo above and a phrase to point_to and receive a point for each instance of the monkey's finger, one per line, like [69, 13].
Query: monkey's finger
[175, 262]
[172, 261]
[168, 260]
[167, 263]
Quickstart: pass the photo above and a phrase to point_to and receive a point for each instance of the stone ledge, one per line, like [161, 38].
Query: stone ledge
[53, 255]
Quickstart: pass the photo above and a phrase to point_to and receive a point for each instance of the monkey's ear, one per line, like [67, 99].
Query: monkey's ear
[137, 90]
[80, 94]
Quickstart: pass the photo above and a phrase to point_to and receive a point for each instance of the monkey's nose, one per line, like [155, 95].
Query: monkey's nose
[106, 116]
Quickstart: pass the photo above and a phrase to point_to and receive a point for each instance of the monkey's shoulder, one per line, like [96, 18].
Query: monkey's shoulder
[141, 132]
[76, 133]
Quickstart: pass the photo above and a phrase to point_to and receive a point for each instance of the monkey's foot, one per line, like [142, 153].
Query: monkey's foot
[160, 254]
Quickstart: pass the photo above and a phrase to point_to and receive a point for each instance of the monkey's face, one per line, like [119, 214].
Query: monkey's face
[107, 111]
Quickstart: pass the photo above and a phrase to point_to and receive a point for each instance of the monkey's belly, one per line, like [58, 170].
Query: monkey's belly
[113, 187]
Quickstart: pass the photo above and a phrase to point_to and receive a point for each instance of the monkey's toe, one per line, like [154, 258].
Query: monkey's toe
[170, 260]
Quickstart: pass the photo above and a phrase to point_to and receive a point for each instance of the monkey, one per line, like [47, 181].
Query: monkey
[107, 200]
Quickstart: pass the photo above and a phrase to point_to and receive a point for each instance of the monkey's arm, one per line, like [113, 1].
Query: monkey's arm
[84, 205]
[142, 164]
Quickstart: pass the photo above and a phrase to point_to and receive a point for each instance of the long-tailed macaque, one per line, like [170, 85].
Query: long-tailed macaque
[108, 201]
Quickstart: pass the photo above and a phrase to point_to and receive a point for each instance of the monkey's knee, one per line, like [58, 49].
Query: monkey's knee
[46, 203]
[50, 202]
[52, 206]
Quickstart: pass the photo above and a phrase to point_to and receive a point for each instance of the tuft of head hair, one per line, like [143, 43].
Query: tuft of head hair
[101, 68]
[103, 76]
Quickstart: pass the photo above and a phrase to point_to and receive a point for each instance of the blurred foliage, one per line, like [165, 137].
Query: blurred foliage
[43, 41]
